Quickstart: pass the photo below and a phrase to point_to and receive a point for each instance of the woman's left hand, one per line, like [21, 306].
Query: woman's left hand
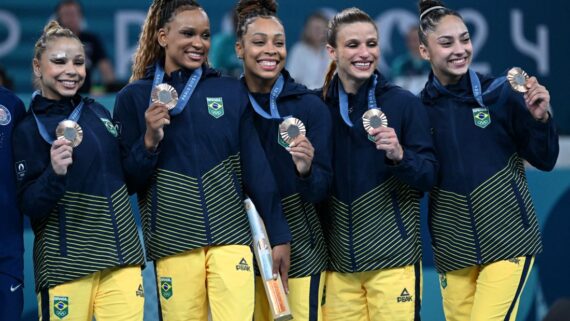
[302, 152]
[386, 140]
[281, 263]
[537, 99]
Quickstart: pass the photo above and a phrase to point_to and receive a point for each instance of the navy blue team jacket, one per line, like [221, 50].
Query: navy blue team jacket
[374, 207]
[83, 221]
[191, 190]
[12, 110]
[298, 195]
[480, 209]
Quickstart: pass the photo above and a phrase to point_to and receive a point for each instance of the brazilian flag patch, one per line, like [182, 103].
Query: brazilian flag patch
[61, 306]
[166, 287]
[215, 106]
[481, 117]
[110, 127]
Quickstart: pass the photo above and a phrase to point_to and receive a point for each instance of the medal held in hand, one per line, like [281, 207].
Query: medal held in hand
[374, 118]
[290, 129]
[71, 131]
[164, 94]
[517, 78]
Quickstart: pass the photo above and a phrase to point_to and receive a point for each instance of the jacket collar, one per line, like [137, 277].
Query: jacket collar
[290, 87]
[462, 89]
[41, 104]
[181, 74]
[382, 86]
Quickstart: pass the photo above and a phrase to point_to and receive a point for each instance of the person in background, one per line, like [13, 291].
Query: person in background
[308, 59]
[221, 54]
[410, 70]
[69, 14]
[12, 110]
[5, 80]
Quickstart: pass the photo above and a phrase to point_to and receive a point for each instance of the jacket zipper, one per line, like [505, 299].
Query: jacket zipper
[111, 209]
[205, 212]
[350, 224]
[462, 170]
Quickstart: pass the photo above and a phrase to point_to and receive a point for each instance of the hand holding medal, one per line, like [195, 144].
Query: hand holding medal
[164, 98]
[293, 132]
[156, 117]
[536, 96]
[61, 153]
[376, 125]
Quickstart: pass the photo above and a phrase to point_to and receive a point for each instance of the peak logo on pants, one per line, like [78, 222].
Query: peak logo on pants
[404, 296]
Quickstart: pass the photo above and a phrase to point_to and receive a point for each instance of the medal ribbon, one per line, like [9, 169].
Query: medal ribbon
[475, 87]
[343, 99]
[186, 93]
[275, 91]
[74, 116]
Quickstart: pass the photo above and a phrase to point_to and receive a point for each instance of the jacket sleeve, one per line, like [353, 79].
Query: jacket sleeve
[39, 188]
[315, 187]
[259, 182]
[418, 168]
[138, 162]
[19, 111]
[536, 142]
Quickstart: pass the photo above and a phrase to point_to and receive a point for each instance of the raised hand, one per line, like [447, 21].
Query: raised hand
[537, 99]
[302, 152]
[61, 155]
[386, 140]
[156, 117]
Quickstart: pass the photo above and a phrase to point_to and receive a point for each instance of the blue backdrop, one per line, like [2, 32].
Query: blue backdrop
[530, 34]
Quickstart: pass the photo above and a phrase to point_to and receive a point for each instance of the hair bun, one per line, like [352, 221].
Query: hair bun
[247, 8]
[51, 27]
[427, 4]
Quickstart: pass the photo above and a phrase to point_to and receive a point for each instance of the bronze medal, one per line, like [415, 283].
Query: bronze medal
[374, 118]
[290, 128]
[164, 94]
[517, 78]
[71, 131]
